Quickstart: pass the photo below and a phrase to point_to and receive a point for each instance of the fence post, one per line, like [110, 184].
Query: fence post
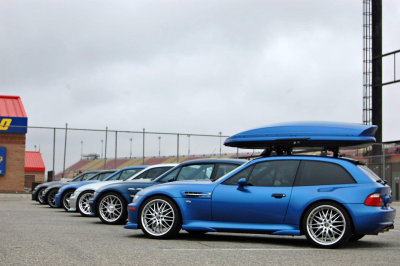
[116, 143]
[143, 146]
[383, 162]
[177, 150]
[105, 150]
[54, 149]
[65, 148]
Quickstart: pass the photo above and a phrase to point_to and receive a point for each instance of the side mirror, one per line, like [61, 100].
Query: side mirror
[241, 183]
[171, 179]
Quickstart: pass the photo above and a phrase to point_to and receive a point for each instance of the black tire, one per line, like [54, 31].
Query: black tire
[168, 214]
[354, 238]
[65, 199]
[327, 225]
[193, 232]
[84, 207]
[51, 197]
[112, 209]
[39, 196]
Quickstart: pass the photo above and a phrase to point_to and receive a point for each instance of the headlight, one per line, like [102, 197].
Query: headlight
[135, 198]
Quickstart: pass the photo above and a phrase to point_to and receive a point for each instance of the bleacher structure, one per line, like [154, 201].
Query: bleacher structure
[392, 155]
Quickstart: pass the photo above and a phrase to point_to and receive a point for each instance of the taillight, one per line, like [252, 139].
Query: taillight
[374, 200]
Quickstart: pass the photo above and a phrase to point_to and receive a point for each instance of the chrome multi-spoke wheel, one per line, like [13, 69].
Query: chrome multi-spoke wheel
[51, 198]
[83, 203]
[65, 199]
[112, 209]
[40, 196]
[327, 225]
[160, 218]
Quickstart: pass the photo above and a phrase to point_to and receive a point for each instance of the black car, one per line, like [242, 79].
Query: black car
[37, 193]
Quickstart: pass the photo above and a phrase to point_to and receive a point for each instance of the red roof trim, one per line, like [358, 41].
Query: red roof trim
[11, 106]
[34, 162]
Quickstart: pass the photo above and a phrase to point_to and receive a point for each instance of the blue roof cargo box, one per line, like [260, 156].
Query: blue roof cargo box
[305, 135]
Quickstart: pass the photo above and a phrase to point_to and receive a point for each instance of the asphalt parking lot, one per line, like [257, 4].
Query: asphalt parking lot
[33, 234]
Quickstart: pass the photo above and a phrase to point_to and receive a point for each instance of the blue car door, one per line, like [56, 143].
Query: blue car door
[263, 198]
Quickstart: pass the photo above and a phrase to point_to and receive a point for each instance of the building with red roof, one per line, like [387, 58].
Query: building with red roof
[34, 168]
[13, 129]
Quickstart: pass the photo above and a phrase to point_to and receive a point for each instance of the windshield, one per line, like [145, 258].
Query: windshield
[238, 169]
[101, 176]
[125, 174]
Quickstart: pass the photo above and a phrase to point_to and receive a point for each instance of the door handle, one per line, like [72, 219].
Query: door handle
[278, 196]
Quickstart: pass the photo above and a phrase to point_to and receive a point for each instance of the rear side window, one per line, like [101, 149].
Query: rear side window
[314, 173]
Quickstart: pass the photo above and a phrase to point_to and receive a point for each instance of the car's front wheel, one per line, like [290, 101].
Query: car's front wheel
[83, 203]
[112, 208]
[159, 217]
[40, 196]
[327, 225]
[65, 199]
[51, 198]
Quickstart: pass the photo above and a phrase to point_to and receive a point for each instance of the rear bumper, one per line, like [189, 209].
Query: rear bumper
[371, 220]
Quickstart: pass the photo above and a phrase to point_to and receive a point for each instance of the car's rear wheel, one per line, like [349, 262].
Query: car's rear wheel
[83, 203]
[65, 199]
[51, 197]
[327, 225]
[112, 208]
[40, 196]
[159, 217]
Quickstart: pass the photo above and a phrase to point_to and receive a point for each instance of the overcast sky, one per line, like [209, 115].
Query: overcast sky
[186, 66]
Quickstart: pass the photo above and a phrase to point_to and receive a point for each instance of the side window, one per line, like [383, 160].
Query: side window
[170, 175]
[128, 173]
[273, 174]
[195, 172]
[233, 180]
[314, 173]
[223, 169]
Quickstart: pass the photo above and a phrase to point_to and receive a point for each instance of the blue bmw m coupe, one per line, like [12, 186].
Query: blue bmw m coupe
[327, 198]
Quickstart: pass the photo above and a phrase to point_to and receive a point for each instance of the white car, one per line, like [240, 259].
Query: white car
[79, 200]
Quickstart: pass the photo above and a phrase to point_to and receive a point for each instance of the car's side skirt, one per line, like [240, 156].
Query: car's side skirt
[213, 226]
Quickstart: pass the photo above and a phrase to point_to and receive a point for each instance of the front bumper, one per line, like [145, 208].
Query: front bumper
[58, 200]
[92, 204]
[72, 204]
[131, 226]
[34, 197]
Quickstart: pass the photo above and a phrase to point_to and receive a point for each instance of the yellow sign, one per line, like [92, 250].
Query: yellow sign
[5, 123]
[1, 159]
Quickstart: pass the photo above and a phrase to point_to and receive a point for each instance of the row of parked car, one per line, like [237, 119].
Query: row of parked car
[329, 199]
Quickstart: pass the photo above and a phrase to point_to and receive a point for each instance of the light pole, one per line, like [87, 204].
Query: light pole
[101, 154]
[35, 147]
[188, 145]
[81, 149]
[130, 155]
[220, 144]
[159, 147]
